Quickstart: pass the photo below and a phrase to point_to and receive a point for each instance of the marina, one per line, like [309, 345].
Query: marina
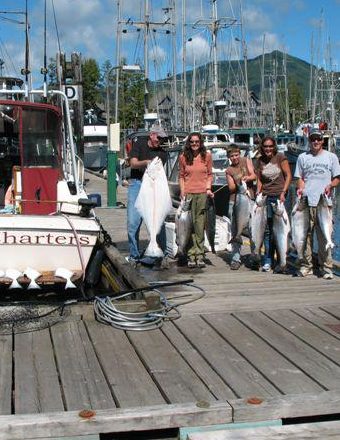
[107, 335]
[255, 347]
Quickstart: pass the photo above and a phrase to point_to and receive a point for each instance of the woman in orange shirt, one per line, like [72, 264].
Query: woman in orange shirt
[195, 179]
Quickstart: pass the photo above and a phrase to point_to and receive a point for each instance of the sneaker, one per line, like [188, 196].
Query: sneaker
[327, 276]
[191, 264]
[304, 272]
[200, 263]
[235, 265]
[131, 260]
[266, 267]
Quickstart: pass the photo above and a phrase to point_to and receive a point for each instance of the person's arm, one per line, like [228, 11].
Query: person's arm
[334, 183]
[288, 178]
[251, 176]
[182, 188]
[231, 183]
[181, 177]
[209, 175]
[259, 182]
[300, 184]
[139, 164]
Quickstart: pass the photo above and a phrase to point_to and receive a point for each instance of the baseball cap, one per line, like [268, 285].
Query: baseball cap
[159, 130]
[316, 134]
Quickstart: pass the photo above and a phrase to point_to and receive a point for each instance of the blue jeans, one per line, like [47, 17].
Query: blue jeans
[134, 222]
[134, 219]
[269, 245]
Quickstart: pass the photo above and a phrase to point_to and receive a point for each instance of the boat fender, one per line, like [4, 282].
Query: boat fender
[93, 272]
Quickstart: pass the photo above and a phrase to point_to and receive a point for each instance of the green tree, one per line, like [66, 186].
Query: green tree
[130, 95]
[52, 72]
[91, 81]
[131, 100]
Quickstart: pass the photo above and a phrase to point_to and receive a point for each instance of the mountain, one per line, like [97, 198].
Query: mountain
[230, 73]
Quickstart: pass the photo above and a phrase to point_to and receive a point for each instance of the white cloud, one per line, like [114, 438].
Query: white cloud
[271, 42]
[157, 54]
[256, 20]
[197, 50]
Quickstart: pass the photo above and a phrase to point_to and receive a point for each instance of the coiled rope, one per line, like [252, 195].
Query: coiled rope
[107, 312]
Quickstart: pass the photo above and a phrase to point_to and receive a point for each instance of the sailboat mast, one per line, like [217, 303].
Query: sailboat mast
[118, 42]
[309, 106]
[146, 57]
[245, 61]
[174, 59]
[184, 62]
[214, 29]
[286, 90]
[262, 83]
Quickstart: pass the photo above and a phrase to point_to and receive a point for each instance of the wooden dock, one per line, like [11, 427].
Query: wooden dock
[256, 347]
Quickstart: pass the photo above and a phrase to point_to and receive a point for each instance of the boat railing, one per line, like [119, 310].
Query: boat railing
[80, 171]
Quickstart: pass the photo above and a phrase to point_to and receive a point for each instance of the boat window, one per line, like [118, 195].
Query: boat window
[40, 137]
[102, 140]
[172, 165]
[220, 158]
[242, 138]
[9, 146]
[9, 131]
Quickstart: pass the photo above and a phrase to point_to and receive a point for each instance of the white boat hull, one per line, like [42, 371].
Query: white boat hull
[46, 242]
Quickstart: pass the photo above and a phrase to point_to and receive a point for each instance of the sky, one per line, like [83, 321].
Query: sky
[90, 27]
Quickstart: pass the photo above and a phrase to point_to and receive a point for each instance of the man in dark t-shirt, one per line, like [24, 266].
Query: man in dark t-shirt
[141, 154]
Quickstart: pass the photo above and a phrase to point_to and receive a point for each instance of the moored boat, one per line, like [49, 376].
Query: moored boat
[46, 222]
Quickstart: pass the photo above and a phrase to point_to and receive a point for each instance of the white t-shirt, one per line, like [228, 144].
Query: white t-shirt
[317, 172]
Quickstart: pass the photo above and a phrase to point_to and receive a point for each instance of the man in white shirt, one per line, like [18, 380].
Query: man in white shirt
[318, 172]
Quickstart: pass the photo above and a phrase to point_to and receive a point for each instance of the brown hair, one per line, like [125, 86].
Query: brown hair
[268, 138]
[187, 152]
[233, 148]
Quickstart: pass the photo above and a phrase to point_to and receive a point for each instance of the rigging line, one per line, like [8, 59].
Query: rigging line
[56, 25]
[11, 20]
[9, 57]
[45, 45]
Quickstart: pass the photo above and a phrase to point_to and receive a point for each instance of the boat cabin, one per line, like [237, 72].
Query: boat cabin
[30, 154]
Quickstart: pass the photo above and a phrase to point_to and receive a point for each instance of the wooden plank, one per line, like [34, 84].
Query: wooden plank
[83, 382]
[172, 374]
[228, 303]
[334, 310]
[78, 437]
[317, 366]
[322, 319]
[115, 420]
[36, 378]
[289, 406]
[312, 335]
[204, 371]
[5, 374]
[276, 368]
[233, 368]
[310, 431]
[129, 381]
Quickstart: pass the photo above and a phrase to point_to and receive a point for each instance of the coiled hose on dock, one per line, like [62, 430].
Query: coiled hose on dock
[107, 312]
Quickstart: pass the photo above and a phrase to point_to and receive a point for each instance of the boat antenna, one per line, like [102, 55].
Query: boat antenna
[26, 71]
[44, 69]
